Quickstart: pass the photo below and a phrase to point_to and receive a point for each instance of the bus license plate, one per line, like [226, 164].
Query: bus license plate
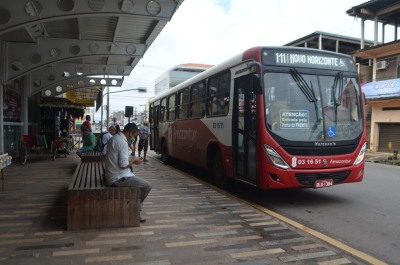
[323, 183]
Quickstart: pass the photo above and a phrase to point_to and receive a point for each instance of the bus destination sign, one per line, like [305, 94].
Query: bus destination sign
[296, 58]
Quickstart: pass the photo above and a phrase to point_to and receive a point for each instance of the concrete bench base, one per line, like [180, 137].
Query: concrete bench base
[93, 205]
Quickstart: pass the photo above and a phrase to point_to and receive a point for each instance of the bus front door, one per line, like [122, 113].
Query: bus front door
[244, 130]
[154, 132]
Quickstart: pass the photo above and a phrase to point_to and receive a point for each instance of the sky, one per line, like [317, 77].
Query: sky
[212, 31]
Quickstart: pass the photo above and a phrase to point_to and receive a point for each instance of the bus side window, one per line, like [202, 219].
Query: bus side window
[197, 100]
[163, 109]
[184, 103]
[226, 105]
[218, 94]
[217, 106]
[171, 107]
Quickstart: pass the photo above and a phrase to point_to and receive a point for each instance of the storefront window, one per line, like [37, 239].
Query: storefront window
[12, 102]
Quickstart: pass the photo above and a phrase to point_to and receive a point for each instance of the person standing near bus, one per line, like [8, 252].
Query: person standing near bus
[132, 144]
[144, 140]
[118, 171]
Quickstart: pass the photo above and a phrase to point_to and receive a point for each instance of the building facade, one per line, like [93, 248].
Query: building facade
[379, 68]
[178, 74]
[380, 72]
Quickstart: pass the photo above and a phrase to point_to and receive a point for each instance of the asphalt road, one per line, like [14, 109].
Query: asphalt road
[365, 216]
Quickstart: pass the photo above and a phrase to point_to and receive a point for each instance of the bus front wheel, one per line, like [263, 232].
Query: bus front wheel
[218, 170]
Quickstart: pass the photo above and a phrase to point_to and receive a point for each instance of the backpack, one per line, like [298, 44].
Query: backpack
[100, 145]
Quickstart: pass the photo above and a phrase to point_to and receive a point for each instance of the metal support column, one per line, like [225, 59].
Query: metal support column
[1, 119]
[24, 105]
[108, 108]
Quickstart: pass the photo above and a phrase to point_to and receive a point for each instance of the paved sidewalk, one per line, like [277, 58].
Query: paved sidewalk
[188, 222]
[382, 158]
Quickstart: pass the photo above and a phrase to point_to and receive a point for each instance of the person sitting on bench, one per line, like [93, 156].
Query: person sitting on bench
[89, 141]
[118, 171]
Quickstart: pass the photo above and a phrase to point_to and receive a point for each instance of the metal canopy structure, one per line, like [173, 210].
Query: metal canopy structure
[379, 51]
[54, 46]
[386, 12]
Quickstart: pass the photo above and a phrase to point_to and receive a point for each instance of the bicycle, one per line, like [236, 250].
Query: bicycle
[60, 146]
[25, 146]
[74, 140]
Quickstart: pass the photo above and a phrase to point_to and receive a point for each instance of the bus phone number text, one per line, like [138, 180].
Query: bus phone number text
[316, 161]
[312, 161]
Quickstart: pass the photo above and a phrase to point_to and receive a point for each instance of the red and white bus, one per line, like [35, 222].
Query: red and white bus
[273, 117]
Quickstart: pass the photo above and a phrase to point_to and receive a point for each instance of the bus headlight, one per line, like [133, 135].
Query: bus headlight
[275, 158]
[361, 155]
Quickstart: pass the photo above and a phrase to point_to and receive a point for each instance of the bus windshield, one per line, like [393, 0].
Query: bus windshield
[305, 107]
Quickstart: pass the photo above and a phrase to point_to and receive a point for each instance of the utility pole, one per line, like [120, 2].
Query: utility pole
[145, 112]
[139, 90]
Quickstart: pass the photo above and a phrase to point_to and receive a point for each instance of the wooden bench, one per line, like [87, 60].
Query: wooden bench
[93, 205]
[5, 161]
[92, 156]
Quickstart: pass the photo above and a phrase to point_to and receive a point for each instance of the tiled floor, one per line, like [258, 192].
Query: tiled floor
[188, 222]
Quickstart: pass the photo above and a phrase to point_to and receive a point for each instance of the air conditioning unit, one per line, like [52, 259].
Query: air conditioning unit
[381, 65]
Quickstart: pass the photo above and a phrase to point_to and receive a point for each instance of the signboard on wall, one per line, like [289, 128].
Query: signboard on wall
[382, 89]
[74, 97]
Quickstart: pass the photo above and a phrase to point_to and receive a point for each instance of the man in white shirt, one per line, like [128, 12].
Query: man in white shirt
[118, 171]
[106, 137]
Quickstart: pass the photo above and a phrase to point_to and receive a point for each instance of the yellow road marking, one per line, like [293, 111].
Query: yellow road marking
[321, 236]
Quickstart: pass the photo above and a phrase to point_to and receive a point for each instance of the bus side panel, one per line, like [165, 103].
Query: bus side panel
[188, 140]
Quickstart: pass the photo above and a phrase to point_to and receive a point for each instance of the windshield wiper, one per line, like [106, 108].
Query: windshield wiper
[337, 101]
[338, 81]
[307, 90]
[309, 93]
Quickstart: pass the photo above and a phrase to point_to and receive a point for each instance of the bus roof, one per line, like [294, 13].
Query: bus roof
[201, 76]
[253, 53]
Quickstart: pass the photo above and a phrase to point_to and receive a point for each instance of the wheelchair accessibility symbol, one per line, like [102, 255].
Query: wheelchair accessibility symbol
[331, 132]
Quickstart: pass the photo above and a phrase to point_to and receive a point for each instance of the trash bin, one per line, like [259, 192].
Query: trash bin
[395, 153]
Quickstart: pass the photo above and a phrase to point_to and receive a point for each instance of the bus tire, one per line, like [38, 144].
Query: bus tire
[164, 153]
[221, 179]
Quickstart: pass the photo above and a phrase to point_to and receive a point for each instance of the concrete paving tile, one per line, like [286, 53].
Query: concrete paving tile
[188, 222]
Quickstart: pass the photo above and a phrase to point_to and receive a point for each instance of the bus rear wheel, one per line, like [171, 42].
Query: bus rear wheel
[221, 179]
[164, 153]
